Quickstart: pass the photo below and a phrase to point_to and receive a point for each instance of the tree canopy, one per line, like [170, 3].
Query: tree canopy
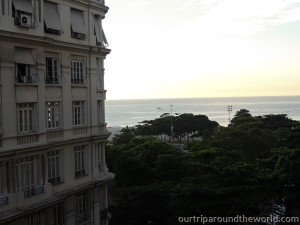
[229, 171]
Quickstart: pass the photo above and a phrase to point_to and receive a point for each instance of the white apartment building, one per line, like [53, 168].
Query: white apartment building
[52, 123]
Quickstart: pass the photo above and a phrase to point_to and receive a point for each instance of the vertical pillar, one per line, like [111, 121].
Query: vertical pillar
[40, 65]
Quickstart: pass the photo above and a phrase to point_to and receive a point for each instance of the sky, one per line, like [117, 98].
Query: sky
[202, 48]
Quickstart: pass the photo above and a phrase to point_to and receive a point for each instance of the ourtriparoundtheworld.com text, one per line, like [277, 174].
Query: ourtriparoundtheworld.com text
[237, 219]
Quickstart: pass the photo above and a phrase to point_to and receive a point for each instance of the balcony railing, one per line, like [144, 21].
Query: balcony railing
[79, 173]
[52, 80]
[80, 131]
[54, 180]
[3, 200]
[100, 1]
[27, 79]
[27, 139]
[82, 217]
[55, 134]
[33, 191]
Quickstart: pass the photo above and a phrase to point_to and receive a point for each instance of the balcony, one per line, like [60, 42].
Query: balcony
[55, 134]
[80, 173]
[3, 200]
[27, 139]
[101, 94]
[100, 1]
[80, 131]
[32, 191]
[82, 217]
[51, 80]
[27, 79]
[54, 180]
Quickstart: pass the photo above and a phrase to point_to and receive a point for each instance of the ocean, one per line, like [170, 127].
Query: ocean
[121, 113]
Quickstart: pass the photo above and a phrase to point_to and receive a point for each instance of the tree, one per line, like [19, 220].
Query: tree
[185, 126]
[126, 134]
[277, 121]
[235, 170]
[242, 116]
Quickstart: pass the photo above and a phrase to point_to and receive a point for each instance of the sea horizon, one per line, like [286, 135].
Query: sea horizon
[165, 98]
[130, 112]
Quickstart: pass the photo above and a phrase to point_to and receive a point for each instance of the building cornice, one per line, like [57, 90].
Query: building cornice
[91, 4]
[49, 145]
[38, 42]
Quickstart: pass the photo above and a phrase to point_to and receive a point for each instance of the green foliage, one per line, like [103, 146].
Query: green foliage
[184, 126]
[242, 116]
[231, 171]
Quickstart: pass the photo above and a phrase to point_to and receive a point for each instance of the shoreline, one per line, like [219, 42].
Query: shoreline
[113, 130]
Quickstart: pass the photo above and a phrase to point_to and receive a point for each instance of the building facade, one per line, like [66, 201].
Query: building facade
[52, 122]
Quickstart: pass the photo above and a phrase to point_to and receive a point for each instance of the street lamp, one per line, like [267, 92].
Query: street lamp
[171, 107]
[171, 122]
[229, 109]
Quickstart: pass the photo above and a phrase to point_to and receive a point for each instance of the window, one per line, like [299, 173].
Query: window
[25, 174]
[100, 112]
[53, 115]
[52, 215]
[35, 218]
[53, 167]
[25, 66]
[22, 10]
[79, 160]
[3, 183]
[78, 30]
[28, 175]
[82, 207]
[78, 113]
[51, 71]
[52, 23]
[77, 72]
[24, 117]
[100, 36]
[25, 74]
[56, 214]
[99, 155]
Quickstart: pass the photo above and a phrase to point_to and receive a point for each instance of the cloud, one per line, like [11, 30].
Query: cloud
[242, 17]
[136, 3]
[203, 4]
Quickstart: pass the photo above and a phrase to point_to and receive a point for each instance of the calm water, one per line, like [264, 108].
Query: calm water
[130, 112]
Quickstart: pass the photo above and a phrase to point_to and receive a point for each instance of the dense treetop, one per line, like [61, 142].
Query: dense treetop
[227, 171]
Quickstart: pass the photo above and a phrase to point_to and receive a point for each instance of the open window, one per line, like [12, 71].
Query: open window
[100, 36]
[52, 70]
[51, 19]
[78, 30]
[25, 66]
[22, 10]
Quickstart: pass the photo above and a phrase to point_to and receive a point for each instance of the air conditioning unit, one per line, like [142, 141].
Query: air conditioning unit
[79, 36]
[26, 20]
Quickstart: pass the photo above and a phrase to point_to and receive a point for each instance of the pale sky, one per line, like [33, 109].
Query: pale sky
[202, 48]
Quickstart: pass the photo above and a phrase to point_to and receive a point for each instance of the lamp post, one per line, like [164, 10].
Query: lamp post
[171, 107]
[171, 122]
[229, 109]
